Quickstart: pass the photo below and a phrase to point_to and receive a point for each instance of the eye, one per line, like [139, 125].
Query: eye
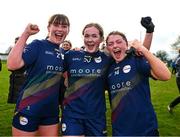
[86, 35]
[110, 44]
[64, 26]
[119, 42]
[94, 36]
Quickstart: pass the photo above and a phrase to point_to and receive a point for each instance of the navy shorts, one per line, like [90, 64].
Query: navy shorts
[31, 123]
[88, 127]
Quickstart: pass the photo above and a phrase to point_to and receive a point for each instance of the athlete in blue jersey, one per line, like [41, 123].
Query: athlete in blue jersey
[128, 82]
[84, 102]
[37, 109]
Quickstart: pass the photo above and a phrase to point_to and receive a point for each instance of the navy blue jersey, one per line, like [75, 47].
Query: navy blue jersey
[85, 96]
[39, 95]
[132, 110]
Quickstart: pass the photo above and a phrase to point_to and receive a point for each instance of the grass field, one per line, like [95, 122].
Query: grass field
[162, 93]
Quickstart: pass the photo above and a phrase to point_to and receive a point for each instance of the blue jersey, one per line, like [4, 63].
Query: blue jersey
[132, 110]
[39, 94]
[85, 96]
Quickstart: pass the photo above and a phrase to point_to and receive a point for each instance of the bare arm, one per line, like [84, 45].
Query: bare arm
[159, 70]
[147, 23]
[15, 60]
[148, 40]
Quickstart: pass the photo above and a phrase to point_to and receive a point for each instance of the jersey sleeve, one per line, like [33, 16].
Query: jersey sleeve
[30, 52]
[143, 66]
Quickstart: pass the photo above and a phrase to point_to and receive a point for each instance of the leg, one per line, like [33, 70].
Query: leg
[17, 132]
[49, 130]
[176, 100]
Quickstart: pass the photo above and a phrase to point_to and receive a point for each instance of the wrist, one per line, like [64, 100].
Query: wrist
[150, 30]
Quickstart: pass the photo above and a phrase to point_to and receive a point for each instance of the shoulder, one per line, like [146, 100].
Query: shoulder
[35, 43]
[73, 52]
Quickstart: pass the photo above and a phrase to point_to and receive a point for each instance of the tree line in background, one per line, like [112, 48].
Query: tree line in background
[164, 56]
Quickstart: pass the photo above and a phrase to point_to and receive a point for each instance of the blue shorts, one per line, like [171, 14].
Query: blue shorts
[88, 127]
[31, 123]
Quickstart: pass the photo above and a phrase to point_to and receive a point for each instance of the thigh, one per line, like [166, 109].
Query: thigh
[49, 126]
[18, 132]
[72, 126]
[49, 130]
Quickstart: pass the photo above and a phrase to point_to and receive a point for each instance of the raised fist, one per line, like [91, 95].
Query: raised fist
[147, 23]
[32, 29]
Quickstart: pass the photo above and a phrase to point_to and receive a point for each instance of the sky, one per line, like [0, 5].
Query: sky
[121, 15]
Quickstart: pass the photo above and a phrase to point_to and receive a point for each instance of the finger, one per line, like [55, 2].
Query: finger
[34, 27]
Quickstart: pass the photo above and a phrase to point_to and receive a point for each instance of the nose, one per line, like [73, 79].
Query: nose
[60, 28]
[115, 45]
[89, 39]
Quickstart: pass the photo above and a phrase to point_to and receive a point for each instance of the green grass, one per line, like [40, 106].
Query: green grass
[162, 94]
[6, 110]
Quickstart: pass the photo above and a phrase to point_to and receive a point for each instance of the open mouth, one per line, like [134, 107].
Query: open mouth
[117, 52]
[90, 46]
[59, 35]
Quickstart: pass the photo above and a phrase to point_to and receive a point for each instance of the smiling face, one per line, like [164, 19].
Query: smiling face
[57, 33]
[117, 46]
[66, 45]
[58, 28]
[93, 36]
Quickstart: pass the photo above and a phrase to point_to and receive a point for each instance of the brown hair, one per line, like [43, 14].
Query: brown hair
[67, 41]
[96, 25]
[58, 19]
[117, 33]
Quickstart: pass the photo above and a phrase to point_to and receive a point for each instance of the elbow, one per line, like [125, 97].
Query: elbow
[166, 77]
[12, 65]
[163, 76]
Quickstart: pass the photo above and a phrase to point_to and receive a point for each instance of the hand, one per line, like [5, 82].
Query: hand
[32, 29]
[135, 48]
[147, 23]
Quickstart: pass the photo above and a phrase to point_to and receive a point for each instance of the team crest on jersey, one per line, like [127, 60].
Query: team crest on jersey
[87, 59]
[23, 120]
[98, 59]
[126, 68]
[63, 127]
